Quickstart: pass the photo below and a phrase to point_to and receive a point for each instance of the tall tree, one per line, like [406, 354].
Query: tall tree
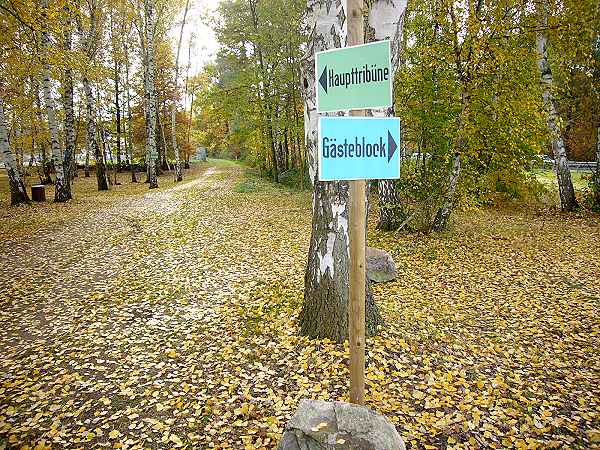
[90, 41]
[325, 309]
[597, 172]
[18, 193]
[129, 113]
[386, 21]
[69, 123]
[149, 70]
[462, 52]
[178, 170]
[62, 189]
[568, 202]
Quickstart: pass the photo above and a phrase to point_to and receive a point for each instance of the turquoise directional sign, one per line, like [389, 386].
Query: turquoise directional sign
[357, 148]
[356, 77]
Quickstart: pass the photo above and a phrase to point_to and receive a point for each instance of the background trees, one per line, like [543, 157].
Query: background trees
[251, 94]
[467, 90]
[72, 72]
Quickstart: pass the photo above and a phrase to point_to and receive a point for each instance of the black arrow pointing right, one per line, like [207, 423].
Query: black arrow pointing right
[392, 146]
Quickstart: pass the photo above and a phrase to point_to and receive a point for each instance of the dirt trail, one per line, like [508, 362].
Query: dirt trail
[75, 260]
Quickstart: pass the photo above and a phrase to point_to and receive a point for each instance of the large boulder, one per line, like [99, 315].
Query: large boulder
[380, 265]
[320, 425]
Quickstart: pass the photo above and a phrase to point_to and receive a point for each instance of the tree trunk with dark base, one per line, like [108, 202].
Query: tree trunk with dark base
[390, 213]
[178, 171]
[326, 294]
[386, 21]
[69, 156]
[442, 217]
[325, 309]
[568, 202]
[151, 124]
[62, 191]
[92, 140]
[18, 193]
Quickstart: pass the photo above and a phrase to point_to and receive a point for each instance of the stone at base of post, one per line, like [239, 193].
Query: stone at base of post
[320, 425]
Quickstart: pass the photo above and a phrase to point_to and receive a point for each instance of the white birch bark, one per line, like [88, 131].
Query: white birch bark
[563, 173]
[129, 114]
[442, 217]
[60, 192]
[597, 173]
[178, 171]
[93, 146]
[443, 214]
[69, 122]
[89, 42]
[150, 94]
[386, 21]
[18, 193]
[325, 309]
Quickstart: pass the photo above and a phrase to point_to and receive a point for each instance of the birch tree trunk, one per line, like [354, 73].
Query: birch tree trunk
[118, 119]
[178, 171]
[386, 21]
[62, 191]
[89, 42]
[18, 193]
[92, 139]
[442, 217]
[129, 116]
[43, 166]
[566, 192]
[185, 95]
[86, 169]
[325, 309]
[69, 156]
[597, 173]
[150, 95]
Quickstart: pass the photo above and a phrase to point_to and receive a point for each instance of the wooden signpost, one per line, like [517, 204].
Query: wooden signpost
[356, 310]
[361, 151]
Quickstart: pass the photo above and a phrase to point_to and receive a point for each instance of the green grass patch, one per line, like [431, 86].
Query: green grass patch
[252, 182]
[548, 178]
[247, 186]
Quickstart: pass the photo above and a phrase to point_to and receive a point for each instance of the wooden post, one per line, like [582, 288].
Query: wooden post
[356, 310]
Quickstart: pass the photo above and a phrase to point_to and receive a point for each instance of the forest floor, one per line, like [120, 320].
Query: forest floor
[167, 318]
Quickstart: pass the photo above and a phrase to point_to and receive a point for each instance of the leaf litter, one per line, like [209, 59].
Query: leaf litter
[167, 319]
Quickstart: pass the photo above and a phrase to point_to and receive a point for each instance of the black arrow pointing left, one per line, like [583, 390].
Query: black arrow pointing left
[323, 79]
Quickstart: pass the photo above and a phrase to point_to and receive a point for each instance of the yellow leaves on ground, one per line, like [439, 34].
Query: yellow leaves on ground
[114, 434]
[168, 319]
